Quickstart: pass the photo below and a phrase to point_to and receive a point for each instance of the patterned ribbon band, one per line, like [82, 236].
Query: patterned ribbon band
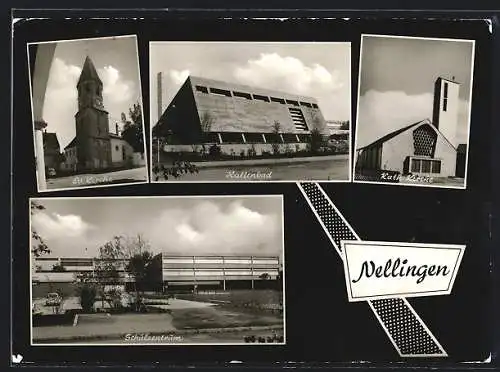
[407, 332]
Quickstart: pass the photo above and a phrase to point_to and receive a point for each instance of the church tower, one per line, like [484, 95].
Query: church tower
[445, 112]
[92, 122]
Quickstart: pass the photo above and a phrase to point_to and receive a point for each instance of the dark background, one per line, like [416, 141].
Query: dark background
[321, 325]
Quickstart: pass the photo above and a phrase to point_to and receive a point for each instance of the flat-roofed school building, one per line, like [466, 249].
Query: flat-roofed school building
[237, 117]
[179, 273]
[46, 279]
[220, 272]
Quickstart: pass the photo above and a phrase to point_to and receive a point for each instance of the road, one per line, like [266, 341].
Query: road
[85, 180]
[327, 170]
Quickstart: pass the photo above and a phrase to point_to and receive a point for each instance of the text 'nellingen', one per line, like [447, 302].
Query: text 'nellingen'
[400, 268]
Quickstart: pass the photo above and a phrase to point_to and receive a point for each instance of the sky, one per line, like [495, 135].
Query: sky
[116, 61]
[319, 70]
[397, 83]
[77, 227]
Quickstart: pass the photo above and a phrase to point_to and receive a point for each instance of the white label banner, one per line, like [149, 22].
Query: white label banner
[380, 270]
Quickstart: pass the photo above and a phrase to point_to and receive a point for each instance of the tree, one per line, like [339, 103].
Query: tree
[87, 293]
[276, 137]
[316, 140]
[58, 268]
[178, 168]
[154, 273]
[344, 125]
[137, 267]
[86, 290]
[142, 266]
[264, 276]
[132, 129]
[206, 122]
[318, 123]
[108, 266]
[39, 247]
[133, 245]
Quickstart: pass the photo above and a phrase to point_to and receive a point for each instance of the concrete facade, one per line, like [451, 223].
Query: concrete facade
[177, 271]
[395, 152]
[218, 271]
[445, 113]
[424, 148]
[206, 110]
[238, 148]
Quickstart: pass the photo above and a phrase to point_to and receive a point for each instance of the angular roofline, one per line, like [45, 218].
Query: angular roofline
[393, 134]
[252, 89]
[89, 69]
[52, 134]
[449, 80]
[72, 143]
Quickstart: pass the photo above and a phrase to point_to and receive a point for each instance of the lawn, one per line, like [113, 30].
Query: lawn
[216, 317]
[258, 299]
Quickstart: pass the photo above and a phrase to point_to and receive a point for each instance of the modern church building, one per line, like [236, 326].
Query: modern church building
[423, 148]
[237, 116]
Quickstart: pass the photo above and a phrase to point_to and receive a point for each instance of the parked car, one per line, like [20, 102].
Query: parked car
[338, 146]
[53, 299]
[35, 309]
[51, 172]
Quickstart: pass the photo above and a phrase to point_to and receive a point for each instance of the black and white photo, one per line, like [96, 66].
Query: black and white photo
[87, 113]
[149, 270]
[250, 111]
[414, 103]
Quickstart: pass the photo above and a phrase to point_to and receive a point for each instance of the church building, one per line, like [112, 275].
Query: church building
[425, 148]
[91, 147]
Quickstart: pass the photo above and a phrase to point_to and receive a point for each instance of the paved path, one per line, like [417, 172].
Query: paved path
[177, 304]
[99, 325]
[324, 169]
[85, 180]
[270, 162]
[102, 324]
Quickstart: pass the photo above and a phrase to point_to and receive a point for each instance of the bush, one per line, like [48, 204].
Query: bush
[252, 152]
[214, 150]
[316, 141]
[88, 296]
[250, 339]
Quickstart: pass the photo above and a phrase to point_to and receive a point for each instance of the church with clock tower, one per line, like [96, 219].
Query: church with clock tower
[91, 147]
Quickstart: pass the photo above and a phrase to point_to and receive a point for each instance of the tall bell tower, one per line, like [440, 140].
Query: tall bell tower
[446, 104]
[92, 121]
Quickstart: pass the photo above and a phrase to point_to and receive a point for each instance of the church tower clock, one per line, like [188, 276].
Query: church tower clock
[92, 121]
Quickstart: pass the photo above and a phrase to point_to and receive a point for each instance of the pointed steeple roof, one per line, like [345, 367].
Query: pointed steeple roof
[89, 72]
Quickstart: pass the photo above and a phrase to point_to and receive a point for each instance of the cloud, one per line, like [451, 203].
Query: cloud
[115, 88]
[273, 71]
[59, 226]
[179, 77]
[211, 229]
[383, 112]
